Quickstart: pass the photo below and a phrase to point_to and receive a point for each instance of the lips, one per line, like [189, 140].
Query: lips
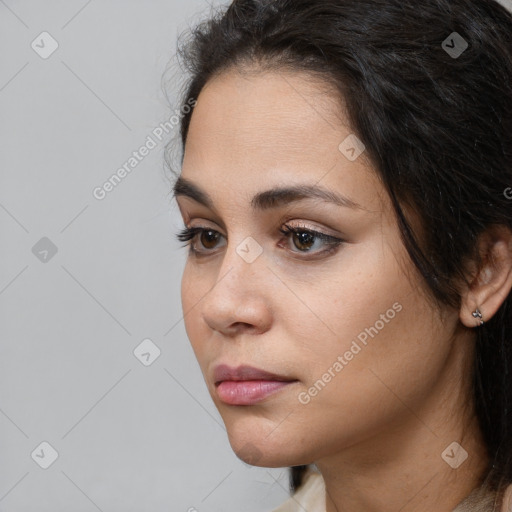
[246, 385]
[224, 372]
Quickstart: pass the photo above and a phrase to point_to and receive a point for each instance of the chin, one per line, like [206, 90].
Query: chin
[258, 451]
[251, 454]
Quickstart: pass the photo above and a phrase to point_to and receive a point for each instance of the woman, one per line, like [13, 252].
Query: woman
[346, 194]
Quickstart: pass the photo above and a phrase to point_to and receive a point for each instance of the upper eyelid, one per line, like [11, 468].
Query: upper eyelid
[286, 225]
[330, 242]
[286, 221]
[322, 235]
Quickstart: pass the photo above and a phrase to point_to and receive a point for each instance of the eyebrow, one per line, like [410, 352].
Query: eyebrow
[267, 199]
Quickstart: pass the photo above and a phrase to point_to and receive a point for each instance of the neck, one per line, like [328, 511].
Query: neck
[401, 467]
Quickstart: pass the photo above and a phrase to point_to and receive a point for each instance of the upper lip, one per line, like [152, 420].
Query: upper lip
[224, 372]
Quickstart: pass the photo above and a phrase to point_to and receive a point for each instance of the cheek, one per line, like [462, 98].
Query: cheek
[362, 293]
[378, 329]
[193, 289]
[189, 288]
[196, 282]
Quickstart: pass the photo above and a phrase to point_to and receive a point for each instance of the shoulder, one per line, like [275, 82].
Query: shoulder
[310, 496]
[484, 500]
[507, 500]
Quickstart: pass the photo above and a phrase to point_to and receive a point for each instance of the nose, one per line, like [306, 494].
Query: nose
[240, 298]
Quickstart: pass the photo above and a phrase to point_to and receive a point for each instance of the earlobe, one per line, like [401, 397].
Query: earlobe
[478, 315]
[492, 283]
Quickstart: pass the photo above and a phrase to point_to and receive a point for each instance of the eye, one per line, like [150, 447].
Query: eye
[207, 236]
[303, 238]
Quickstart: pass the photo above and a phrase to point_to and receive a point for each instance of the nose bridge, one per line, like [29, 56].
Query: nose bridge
[238, 296]
[242, 263]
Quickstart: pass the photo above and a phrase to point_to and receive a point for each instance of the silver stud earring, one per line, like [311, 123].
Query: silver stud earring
[478, 314]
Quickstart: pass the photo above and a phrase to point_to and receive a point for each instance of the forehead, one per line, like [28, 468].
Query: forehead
[272, 128]
[276, 110]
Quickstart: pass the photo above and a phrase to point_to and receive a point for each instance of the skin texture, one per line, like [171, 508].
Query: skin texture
[378, 428]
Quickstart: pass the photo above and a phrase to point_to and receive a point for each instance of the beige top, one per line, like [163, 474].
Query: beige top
[311, 497]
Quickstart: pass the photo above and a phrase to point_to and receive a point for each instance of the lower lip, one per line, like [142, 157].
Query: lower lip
[248, 392]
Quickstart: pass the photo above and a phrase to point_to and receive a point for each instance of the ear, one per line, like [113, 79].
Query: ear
[492, 281]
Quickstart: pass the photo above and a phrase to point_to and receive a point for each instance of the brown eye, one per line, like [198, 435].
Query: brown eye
[303, 240]
[209, 236]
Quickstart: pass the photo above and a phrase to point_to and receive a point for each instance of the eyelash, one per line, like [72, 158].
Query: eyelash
[188, 234]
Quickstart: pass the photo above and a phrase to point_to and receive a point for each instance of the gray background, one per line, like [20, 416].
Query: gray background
[129, 437]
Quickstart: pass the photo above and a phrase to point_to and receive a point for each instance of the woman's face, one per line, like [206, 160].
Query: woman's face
[348, 325]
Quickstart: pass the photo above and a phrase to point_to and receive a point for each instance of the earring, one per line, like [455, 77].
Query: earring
[478, 314]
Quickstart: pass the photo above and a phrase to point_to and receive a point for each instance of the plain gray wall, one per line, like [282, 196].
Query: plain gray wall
[129, 437]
